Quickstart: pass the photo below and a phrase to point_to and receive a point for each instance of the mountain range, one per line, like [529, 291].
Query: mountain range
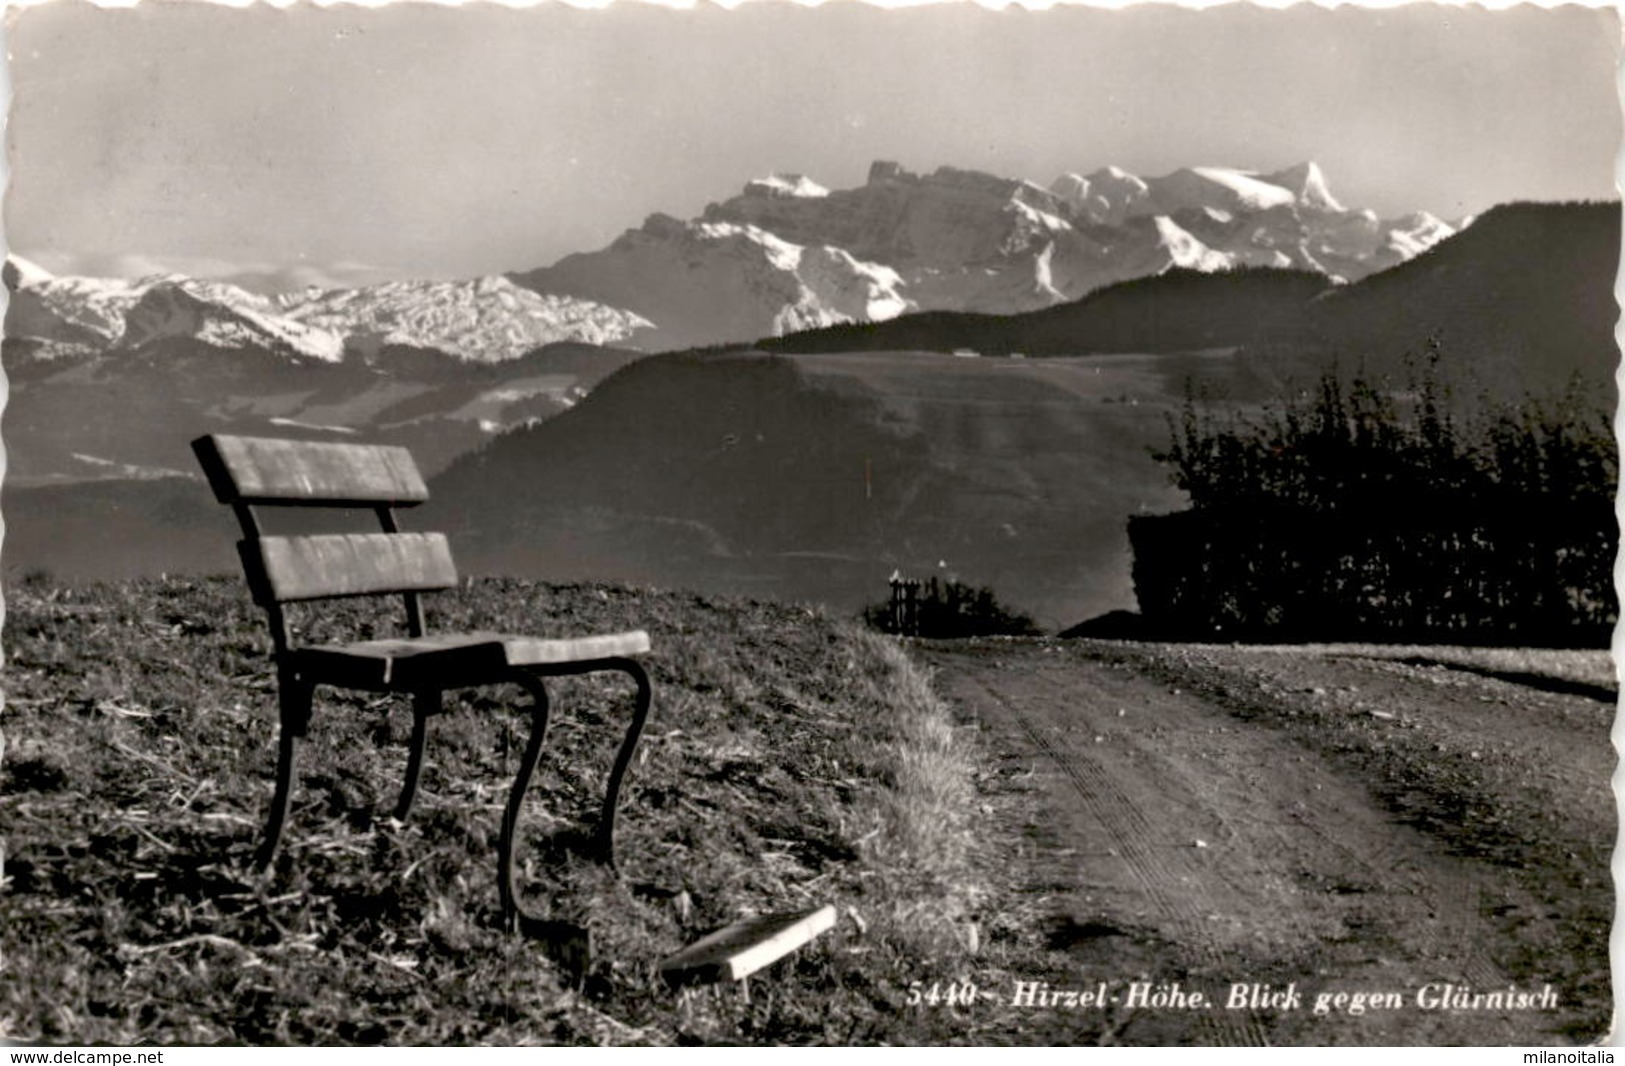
[801, 464]
[785, 256]
[482, 320]
[788, 254]
[104, 371]
[108, 376]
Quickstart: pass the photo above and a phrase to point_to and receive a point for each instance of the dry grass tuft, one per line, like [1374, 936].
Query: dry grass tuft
[924, 849]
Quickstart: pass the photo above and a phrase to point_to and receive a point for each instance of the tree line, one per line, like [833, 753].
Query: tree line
[1356, 509]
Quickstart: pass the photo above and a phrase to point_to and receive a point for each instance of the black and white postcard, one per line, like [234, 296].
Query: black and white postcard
[798, 525]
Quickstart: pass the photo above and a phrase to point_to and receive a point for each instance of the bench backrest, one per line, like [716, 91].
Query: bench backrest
[250, 472]
[309, 473]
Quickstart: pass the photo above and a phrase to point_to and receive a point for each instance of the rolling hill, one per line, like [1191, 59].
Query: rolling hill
[1521, 301]
[1180, 310]
[813, 477]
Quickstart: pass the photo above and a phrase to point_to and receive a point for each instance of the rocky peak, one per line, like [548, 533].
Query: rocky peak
[1308, 183]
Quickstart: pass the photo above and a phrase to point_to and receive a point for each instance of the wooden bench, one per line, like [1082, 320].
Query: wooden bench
[251, 472]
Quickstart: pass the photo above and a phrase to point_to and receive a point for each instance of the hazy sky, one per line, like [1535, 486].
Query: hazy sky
[429, 141]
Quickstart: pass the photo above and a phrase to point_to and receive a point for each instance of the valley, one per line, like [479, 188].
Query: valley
[788, 477]
[815, 477]
[68, 419]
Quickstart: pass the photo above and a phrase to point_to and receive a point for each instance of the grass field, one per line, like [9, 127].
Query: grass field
[791, 760]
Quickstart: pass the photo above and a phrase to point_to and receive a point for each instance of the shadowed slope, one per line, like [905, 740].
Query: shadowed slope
[815, 477]
[1180, 310]
[1521, 301]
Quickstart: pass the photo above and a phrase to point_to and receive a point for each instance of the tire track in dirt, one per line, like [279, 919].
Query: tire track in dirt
[1239, 849]
[1132, 833]
[1456, 900]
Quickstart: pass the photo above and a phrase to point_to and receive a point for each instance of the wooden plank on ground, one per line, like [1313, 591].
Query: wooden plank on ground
[736, 951]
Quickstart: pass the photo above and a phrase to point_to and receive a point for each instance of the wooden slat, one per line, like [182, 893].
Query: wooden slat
[451, 660]
[267, 470]
[282, 569]
[737, 951]
[445, 660]
[538, 651]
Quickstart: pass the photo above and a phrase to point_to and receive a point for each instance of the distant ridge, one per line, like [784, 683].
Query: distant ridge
[801, 477]
[1180, 310]
[1520, 301]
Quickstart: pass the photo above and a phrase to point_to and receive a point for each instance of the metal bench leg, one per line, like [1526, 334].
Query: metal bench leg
[425, 705]
[629, 747]
[295, 699]
[506, 888]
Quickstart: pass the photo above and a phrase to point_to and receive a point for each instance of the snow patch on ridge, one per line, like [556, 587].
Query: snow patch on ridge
[20, 272]
[792, 185]
[489, 319]
[1232, 190]
[1185, 250]
[223, 316]
[1415, 233]
[1043, 219]
[1307, 183]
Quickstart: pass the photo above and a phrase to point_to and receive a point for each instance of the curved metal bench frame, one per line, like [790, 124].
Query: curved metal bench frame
[250, 472]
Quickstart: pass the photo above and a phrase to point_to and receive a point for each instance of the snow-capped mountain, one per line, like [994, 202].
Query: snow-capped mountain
[786, 254]
[489, 319]
[67, 315]
[964, 240]
[77, 315]
[222, 316]
[708, 281]
[483, 320]
[110, 377]
[1105, 197]
[1289, 218]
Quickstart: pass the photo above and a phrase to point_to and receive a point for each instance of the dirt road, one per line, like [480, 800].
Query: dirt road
[1242, 847]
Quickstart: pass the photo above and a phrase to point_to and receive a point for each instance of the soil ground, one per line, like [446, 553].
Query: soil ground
[1314, 820]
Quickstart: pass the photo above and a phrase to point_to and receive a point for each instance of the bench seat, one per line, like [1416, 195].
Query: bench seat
[455, 660]
[250, 473]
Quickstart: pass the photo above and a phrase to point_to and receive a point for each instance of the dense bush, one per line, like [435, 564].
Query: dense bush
[1341, 447]
[1358, 510]
[947, 609]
